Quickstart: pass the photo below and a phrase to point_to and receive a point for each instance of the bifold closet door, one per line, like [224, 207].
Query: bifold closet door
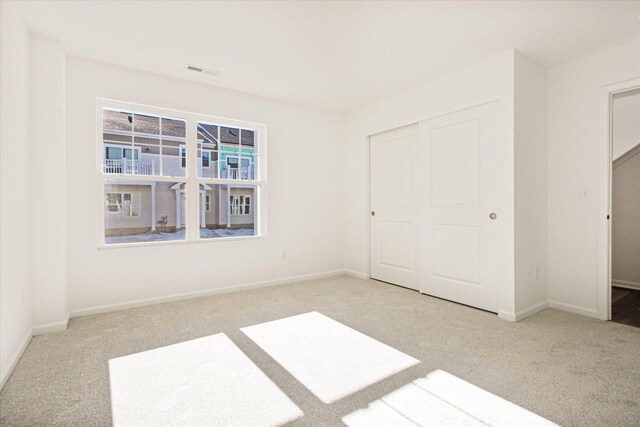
[460, 222]
[394, 206]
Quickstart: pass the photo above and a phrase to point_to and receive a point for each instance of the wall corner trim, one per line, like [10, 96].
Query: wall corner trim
[507, 315]
[51, 327]
[522, 314]
[357, 274]
[14, 360]
[536, 308]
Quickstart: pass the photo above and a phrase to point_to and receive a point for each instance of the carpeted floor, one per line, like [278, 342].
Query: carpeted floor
[570, 369]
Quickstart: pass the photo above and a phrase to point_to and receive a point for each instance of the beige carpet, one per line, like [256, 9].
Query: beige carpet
[570, 369]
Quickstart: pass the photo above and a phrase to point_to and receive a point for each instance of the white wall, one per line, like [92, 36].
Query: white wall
[488, 80]
[47, 190]
[530, 185]
[15, 304]
[304, 193]
[573, 130]
[626, 122]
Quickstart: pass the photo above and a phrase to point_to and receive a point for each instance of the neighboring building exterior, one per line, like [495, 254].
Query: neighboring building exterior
[136, 144]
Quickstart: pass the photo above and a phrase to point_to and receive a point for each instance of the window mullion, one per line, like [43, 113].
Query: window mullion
[192, 186]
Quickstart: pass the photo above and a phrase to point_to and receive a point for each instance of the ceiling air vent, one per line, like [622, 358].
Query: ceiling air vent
[203, 70]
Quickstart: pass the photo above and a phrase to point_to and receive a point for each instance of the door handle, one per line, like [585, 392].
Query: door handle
[493, 215]
[373, 213]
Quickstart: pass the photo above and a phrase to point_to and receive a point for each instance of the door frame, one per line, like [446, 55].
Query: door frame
[370, 208]
[605, 172]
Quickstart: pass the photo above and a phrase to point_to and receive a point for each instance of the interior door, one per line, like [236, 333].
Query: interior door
[461, 225]
[394, 208]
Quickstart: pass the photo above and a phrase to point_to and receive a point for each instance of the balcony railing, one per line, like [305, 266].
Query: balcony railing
[130, 167]
[234, 173]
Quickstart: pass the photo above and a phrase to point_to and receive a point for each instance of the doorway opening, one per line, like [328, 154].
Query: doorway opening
[625, 206]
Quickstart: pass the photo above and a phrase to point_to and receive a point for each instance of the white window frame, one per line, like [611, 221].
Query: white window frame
[191, 180]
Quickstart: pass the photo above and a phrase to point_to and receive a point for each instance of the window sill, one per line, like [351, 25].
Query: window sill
[177, 242]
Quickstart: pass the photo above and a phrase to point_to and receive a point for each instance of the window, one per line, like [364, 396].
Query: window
[157, 162]
[114, 203]
[183, 157]
[124, 204]
[205, 158]
[240, 205]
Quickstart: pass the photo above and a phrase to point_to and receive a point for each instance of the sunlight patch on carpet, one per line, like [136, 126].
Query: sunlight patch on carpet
[443, 399]
[206, 381]
[327, 357]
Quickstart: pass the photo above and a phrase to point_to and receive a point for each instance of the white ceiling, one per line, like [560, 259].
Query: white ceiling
[333, 55]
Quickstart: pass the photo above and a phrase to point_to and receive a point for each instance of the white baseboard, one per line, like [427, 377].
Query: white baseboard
[51, 327]
[626, 284]
[523, 314]
[6, 373]
[574, 309]
[507, 315]
[196, 294]
[357, 274]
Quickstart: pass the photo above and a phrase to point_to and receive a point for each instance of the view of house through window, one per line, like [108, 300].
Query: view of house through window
[229, 212]
[145, 165]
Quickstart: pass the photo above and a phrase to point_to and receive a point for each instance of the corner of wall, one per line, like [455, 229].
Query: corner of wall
[16, 313]
[47, 183]
[531, 195]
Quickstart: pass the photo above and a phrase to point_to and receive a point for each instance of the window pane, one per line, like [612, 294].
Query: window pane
[131, 216]
[146, 124]
[174, 127]
[137, 143]
[207, 163]
[113, 203]
[248, 137]
[229, 135]
[246, 167]
[174, 160]
[174, 141]
[117, 122]
[117, 133]
[229, 163]
[208, 135]
[231, 213]
[248, 153]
